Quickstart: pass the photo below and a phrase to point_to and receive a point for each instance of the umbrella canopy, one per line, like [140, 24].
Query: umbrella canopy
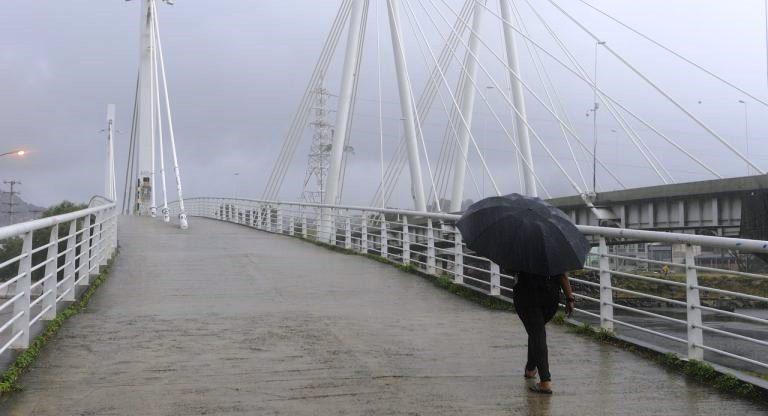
[524, 234]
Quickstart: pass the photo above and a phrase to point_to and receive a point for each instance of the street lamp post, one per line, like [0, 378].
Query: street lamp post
[746, 131]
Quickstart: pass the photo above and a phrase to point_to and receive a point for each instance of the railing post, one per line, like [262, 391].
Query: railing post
[104, 240]
[22, 287]
[49, 286]
[258, 217]
[606, 287]
[384, 237]
[495, 279]
[333, 234]
[114, 232]
[364, 233]
[85, 252]
[68, 284]
[458, 258]
[406, 240]
[693, 303]
[278, 220]
[348, 232]
[430, 247]
[291, 226]
[304, 232]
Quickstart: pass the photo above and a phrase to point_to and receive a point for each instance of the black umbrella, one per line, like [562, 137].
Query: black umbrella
[524, 234]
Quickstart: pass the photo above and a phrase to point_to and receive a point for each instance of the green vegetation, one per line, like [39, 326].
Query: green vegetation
[11, 247]
[9, 380]
[697, 370]
[751, 286]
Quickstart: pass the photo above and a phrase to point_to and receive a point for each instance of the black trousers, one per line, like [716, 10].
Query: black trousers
[536, 305]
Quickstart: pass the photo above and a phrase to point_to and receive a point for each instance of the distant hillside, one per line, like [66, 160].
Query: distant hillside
[22, 211]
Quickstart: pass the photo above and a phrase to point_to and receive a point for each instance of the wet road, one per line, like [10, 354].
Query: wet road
[225, 320]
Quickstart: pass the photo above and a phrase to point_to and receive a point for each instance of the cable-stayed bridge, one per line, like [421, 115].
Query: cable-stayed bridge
[222, 307]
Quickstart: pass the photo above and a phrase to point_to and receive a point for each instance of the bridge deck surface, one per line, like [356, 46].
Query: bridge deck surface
[224, 320]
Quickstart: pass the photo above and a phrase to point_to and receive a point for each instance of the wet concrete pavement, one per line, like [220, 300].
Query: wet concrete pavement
[225, 320]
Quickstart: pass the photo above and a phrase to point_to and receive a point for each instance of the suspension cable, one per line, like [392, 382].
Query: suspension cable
[610, 102]
[674, 53]
[659, 89]
[507, 99]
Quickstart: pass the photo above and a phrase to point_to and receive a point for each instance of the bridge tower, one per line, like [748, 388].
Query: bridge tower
[145, 182]
[152, 106]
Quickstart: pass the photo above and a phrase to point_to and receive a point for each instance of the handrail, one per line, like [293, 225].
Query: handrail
[408, 238]
[759, 246]
[83, 245]
[25, 227]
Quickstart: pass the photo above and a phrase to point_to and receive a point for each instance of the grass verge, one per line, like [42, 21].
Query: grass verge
[9, 379]
[699, 371]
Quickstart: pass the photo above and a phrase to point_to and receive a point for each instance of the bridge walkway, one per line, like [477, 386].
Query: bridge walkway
[225, 320]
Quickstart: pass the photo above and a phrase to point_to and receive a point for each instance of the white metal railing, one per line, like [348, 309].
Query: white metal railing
[611, 292]
[57, 255]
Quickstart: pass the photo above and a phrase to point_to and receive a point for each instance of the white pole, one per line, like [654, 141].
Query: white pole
[110, 185]
[467, 112]
[153, 87]
[344, 108]
[165, 211]
[518, 100]
[182, 212]
[406, 104]
[142, 188]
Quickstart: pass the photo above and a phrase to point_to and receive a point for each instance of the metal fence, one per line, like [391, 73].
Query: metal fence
[679, 305]
[47, 260]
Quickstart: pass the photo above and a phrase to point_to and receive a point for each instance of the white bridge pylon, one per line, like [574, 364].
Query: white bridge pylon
[147, 146]
[354, 14]
[458, 81]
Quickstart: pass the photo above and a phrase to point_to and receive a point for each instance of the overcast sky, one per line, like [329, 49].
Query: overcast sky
[237, 70]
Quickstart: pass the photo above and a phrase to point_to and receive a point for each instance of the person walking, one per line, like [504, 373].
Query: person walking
[540, 243]
[536, 302]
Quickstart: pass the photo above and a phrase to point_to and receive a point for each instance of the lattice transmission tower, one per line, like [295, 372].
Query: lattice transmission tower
[315, 179]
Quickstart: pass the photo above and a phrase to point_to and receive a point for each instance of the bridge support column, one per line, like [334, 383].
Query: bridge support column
[49, 286]
[22, 295]
[364, 233]
[303, 224]
[518, 99]
[430, 247]
[292, 226]
[606, 291]
[693, 303]
[406, 105]
[458, 258]
[467, 110]
[345, 104]
[406, 242]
